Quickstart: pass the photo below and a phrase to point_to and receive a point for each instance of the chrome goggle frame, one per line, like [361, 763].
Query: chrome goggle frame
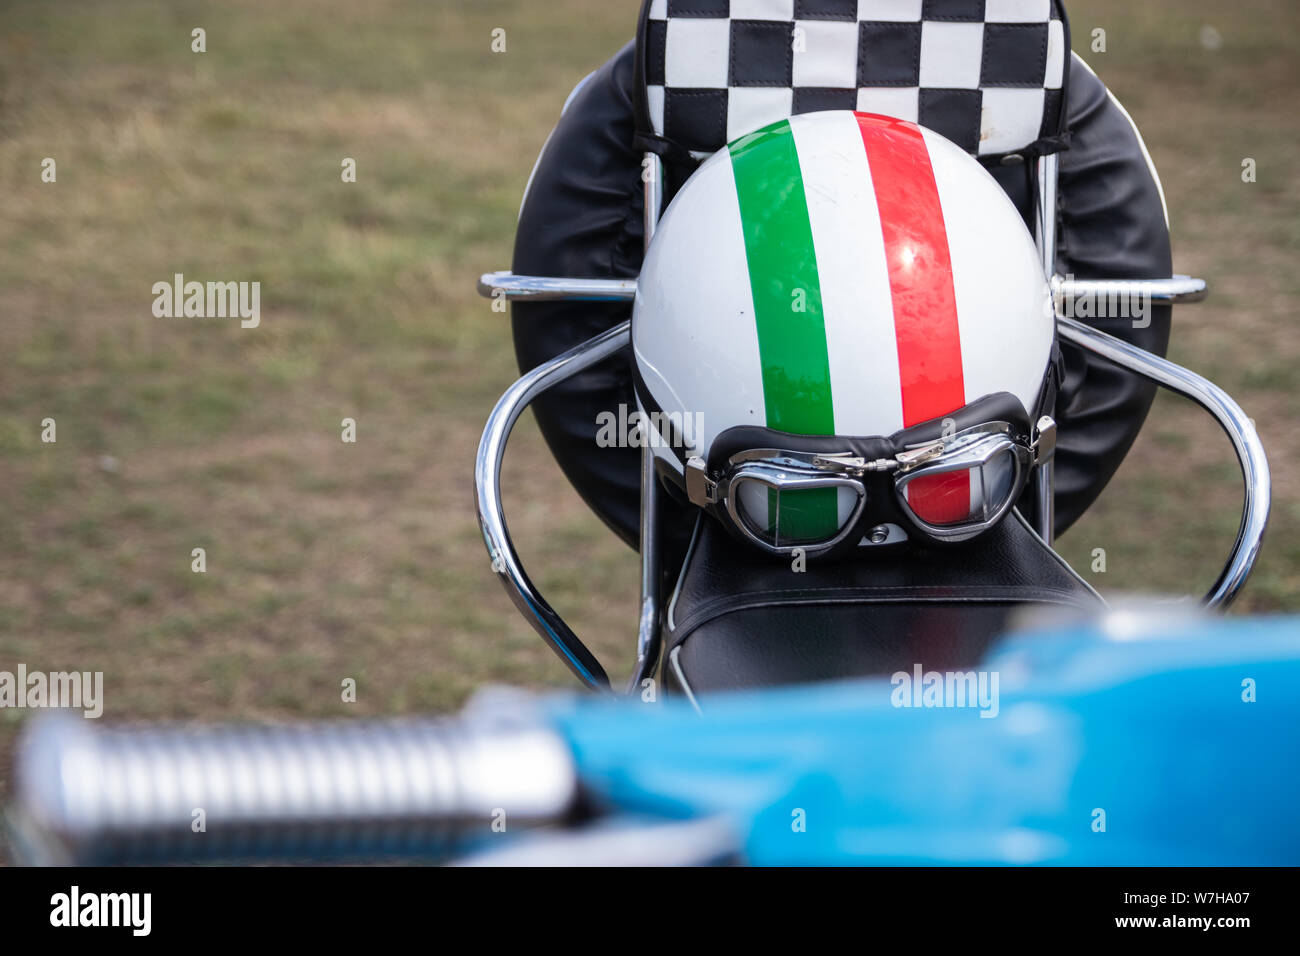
[785, 470]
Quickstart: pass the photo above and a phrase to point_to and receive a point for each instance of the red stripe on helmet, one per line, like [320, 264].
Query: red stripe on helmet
[921, 288]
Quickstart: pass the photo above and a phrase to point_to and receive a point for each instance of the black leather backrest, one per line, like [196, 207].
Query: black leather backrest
[988, 74]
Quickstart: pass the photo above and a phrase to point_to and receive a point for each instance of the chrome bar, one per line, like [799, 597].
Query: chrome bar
[1045, 239]
[397, 788]
[491, 515]
[1045, 224]
[648, 635]
[1239, 428]
[1175, 290]
[1045, 500]
[652, 176]
[508, 286]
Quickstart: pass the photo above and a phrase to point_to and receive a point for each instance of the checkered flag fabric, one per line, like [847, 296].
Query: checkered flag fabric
[987, 74]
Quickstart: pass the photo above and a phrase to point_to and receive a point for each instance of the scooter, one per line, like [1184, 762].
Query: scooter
[881, 752]
[1104, 750]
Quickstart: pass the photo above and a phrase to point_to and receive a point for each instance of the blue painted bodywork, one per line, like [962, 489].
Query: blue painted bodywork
[1144, 751]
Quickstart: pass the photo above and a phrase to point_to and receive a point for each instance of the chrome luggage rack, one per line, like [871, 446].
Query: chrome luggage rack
[491, 450]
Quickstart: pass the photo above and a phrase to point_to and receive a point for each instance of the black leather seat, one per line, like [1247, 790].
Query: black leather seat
[740, 619]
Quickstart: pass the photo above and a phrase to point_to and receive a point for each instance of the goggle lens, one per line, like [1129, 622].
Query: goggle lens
[784, 518]
[968, 495]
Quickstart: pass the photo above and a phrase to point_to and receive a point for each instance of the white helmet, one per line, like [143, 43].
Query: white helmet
[838, 274]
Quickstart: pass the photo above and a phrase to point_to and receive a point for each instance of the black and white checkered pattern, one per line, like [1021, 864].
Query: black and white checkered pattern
[987, 74]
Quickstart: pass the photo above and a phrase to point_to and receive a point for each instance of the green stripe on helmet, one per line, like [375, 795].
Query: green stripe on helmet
[784, 281]
[786, 289]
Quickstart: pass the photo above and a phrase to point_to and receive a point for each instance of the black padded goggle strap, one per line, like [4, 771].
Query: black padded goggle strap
[998, 407]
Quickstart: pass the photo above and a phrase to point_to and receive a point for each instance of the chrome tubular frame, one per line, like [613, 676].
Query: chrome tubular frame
[1238, 426]
[487, 468]
[1175, 290]
[512, 288]
[491, 514]
[648, 638]
[1045, 238]
[652, 169]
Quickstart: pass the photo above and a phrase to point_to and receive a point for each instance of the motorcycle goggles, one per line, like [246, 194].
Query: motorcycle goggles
[943, 481]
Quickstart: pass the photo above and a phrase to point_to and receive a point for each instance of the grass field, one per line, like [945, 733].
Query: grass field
[328, 560]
